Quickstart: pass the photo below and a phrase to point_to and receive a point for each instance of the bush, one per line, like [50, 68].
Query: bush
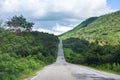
[92, 54]
[21, 55]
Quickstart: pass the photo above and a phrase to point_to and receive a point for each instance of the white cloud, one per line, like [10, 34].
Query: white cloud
[69, 11]
[61, 28]
[47, 31]
[56, 30]
[41, 8]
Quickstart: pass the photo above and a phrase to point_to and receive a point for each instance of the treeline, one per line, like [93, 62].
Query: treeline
[80, 51]
[21, 55]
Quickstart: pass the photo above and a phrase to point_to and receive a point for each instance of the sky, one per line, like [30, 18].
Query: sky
[56, 16]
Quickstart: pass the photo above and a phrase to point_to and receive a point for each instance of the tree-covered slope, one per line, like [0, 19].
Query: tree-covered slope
[80, 51]
[104, 29]
[21, 55]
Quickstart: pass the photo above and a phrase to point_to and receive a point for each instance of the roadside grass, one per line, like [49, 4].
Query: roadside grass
[75, 58]
[101, 68]
[114, 68]
[30, 74]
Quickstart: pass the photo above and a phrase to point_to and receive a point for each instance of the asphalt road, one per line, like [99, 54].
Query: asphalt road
[61, 70]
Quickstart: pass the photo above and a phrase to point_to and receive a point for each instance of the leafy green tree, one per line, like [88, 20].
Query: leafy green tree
[29, 26]
[18, 24]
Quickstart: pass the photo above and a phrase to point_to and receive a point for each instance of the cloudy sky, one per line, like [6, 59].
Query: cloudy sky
[56, 16]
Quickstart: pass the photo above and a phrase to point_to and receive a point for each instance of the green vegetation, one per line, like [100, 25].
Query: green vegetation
[16, 23]
[95, 42]
[23, 54]
[104, 29]
[105, 57]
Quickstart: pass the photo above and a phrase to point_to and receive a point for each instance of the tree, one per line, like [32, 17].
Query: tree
[18, 24]
[29, 26]
[1, 22]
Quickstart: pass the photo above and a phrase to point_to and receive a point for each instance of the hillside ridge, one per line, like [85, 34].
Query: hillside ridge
[104, 29]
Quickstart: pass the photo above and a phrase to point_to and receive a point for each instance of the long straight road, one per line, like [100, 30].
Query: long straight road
[61, 70]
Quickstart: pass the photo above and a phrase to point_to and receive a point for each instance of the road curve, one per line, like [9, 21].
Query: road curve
[61, 70]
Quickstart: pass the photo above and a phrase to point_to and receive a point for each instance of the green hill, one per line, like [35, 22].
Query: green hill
[95, 42]
[104, 29]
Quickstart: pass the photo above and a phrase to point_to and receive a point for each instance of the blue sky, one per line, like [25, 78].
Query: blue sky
[114, 4]
[56, 16]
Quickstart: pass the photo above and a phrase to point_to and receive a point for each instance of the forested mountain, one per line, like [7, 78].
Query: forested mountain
[95, 42]
[104, 29]
[23, 54]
